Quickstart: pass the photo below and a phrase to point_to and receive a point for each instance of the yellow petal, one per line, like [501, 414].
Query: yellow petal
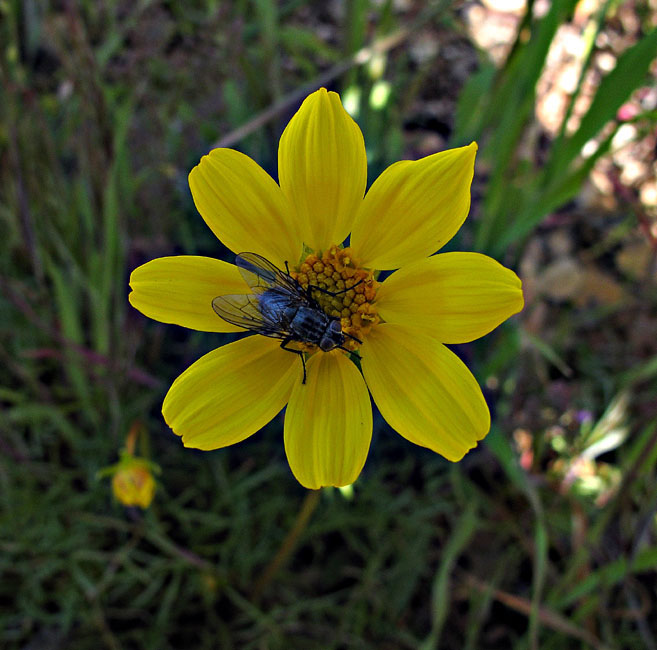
[423, 390]
[457, 297]
[231, 392]
[328, 423]
[322, 168]
[413, 209]
[244, 207]
[180, 290]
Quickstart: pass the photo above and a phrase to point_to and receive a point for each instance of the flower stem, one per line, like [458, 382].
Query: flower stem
[303, 517]
[131, 438]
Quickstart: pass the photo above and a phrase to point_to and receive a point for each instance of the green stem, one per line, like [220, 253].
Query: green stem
[289, 543]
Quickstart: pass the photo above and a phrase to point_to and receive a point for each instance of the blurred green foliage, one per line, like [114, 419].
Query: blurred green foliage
[500, 104]
[104, 108]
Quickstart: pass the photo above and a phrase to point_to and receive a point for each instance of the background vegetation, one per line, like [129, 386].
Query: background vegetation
[545, 536]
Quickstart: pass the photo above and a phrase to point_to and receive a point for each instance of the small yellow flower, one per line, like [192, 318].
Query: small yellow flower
[133, 483]
[421, 388]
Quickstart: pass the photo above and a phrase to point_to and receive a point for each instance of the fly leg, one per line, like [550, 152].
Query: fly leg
[284, 343]
[354, 352]
[314, 287]
[351, 336]
[355, 338]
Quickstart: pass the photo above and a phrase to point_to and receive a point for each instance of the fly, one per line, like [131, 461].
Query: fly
[279, 307]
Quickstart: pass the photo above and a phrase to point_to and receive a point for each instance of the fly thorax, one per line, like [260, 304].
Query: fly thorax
[344, 291]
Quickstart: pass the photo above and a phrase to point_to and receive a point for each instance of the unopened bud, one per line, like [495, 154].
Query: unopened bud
[133, 483]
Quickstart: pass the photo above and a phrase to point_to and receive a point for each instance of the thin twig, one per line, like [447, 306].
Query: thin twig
[548, 617]
[363, 56]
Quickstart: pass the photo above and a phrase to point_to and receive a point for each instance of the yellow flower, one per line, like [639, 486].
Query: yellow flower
[132, 481]
[421, 388]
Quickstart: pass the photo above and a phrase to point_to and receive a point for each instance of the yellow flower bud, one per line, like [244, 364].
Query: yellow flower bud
[133, 483]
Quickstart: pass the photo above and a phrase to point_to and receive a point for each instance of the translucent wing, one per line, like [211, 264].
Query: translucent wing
[264, 311]
[243, 310]
[260, 274]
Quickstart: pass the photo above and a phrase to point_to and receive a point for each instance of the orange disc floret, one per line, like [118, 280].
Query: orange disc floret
[336, 271]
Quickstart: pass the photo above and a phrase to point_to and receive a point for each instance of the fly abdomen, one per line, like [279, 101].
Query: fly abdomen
[309, 324]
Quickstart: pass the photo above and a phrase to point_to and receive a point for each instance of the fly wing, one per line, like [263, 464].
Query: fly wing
[243, 310]
[260, 274]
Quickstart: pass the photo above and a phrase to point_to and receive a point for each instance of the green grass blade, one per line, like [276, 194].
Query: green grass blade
[463, 532]
[630, 72]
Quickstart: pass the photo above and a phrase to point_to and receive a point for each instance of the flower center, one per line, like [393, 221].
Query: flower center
[342, 289]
